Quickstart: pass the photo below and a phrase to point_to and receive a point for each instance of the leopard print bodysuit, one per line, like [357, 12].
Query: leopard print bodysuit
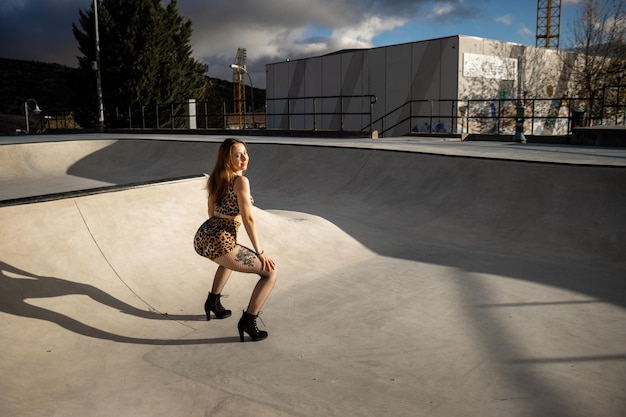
[218, 236]
[228, 205]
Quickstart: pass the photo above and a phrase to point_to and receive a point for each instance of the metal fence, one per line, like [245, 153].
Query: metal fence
[498, 117]
[542, 116]
[335, 112]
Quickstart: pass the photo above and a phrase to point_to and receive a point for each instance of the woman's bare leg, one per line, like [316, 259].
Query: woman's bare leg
[221, 278]
[261, 292]
[242, 259]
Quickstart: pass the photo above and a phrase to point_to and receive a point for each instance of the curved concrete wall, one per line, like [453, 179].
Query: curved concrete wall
[549, 210]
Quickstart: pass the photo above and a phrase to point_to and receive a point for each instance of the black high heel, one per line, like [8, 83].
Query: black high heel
[213, 304]
[247, 324]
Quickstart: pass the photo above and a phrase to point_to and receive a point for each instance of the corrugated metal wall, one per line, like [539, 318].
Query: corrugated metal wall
[431, 70]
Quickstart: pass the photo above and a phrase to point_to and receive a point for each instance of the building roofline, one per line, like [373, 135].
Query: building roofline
[342, 51]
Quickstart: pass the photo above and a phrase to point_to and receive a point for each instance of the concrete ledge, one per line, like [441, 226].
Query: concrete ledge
[347, 134]
[600, 136]
[475, 137]
[593, 136]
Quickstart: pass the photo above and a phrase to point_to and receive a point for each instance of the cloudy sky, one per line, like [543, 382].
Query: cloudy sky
[276, 30]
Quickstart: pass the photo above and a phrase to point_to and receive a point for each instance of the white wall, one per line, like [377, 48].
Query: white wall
[427, 73]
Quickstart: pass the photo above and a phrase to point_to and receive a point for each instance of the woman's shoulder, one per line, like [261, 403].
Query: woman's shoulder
[241, 182]
[241, 179]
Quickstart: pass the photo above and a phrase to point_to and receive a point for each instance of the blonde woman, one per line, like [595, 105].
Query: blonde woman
[230, 205]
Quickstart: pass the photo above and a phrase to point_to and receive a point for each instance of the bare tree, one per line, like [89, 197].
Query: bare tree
[599, 36]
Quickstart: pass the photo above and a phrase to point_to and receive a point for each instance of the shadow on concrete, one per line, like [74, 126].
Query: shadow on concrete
[556, 224]
[136, 160]
[560, 225]
[446, 322]
[33, 286]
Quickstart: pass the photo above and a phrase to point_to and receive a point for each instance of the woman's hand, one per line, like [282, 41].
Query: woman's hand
[267, 263]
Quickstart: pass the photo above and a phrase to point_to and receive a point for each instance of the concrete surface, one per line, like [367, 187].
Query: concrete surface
[418, 278]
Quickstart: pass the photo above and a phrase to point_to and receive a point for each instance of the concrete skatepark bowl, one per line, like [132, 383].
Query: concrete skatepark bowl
[417, 279]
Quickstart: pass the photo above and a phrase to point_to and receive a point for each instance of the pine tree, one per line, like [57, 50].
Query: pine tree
[145, 57]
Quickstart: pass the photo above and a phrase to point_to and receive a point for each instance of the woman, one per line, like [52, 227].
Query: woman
[230, 204]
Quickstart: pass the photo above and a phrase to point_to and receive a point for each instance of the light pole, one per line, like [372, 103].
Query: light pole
[96, 66]
[519, 106]
[240, 68]
[36, 110]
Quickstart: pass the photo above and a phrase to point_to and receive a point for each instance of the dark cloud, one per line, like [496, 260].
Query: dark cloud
[39, 30]
[270, 30]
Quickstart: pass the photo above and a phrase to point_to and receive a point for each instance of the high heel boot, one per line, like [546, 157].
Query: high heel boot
[213, 304]
[247, 324]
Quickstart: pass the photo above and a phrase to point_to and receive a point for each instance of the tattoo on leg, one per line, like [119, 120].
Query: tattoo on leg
[245, 256]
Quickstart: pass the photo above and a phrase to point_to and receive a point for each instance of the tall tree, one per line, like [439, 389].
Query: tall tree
[599, 36]
[145, 55]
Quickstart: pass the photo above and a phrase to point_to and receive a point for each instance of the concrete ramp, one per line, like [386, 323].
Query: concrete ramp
[411, 284]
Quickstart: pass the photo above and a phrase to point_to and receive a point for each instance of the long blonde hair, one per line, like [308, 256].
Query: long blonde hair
[223, 171]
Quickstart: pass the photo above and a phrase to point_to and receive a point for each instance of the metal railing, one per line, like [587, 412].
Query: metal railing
[321, 112]
[613, 104]
[300, 113]
[543, 116]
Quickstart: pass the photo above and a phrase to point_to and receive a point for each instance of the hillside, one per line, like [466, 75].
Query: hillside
[48, 84]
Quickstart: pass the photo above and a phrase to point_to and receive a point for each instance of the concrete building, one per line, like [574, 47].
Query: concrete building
[441, 85]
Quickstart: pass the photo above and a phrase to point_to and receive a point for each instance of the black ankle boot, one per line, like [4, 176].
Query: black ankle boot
[213, 304]
[247, 324]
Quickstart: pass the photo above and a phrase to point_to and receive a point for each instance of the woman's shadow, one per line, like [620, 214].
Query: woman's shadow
[15, 291]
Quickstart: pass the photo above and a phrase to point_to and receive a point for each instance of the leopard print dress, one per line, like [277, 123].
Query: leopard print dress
[218, 236]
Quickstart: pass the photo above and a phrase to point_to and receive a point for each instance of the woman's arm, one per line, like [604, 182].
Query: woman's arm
[242, 190]
[211, 207]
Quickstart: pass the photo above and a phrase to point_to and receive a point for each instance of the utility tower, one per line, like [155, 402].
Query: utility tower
[548, 23]
[239, 85]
